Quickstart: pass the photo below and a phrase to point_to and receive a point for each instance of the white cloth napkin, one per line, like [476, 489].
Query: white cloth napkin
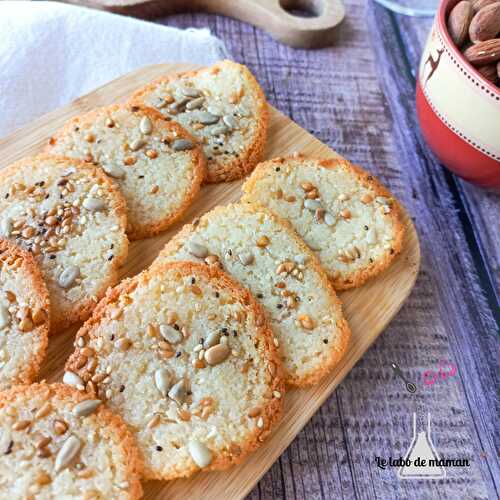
[51, 53]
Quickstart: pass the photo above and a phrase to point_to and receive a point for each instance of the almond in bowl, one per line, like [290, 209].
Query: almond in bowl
[457, 95]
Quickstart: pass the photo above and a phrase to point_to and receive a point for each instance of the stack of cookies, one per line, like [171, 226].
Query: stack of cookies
[184, 366]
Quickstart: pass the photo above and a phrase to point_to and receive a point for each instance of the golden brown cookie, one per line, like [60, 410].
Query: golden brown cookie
[223, 107]
[343, 213]
[185, 355]
[71, 217]
[24, 316]
[56, 442]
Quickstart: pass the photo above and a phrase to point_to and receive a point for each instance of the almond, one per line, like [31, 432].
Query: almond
[477, 5]
[483, 52]
[458, 22]
[489, 72]
[485, 25]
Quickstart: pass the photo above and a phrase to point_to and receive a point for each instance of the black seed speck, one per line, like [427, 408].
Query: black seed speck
[176, 326]
[112, 338]
[8, 451]
[366, 228]
[235, 333]
[325, 341]
[112, 246]
[178, 354]
[159, 448]
[193, 281]
[111, 257]
[279, 306]
[6, 195]
[122, 388]
[217, 295]
[52, 257]
[260, 296]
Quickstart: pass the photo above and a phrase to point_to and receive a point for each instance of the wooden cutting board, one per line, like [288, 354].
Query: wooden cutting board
[278, 17]
[368, 309]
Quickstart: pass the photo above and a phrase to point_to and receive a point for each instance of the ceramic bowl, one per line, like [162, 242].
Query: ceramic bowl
[458, 109]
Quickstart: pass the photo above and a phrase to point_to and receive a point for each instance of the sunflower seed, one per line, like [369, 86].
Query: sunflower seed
[214, 110]
[67, 453]
[312, 204]
[137, 144]
[217, 354]
[86, 407]
[6, 227]
[71, 378]
[212, 339]
[243, 111]
[371, 236]
[329, 219]
[4, 317]
[182, 145]
[176, 106]
[114, 171]
[197, 250]
[68, 276]
[178, 392]
[195, 103]
[190, 92]
[230, 121]
[219, 129]
[163, 381]
[200, 454]
[145, 125]
[170, 334]
[246, 258]
[93, 204]
[207, 118]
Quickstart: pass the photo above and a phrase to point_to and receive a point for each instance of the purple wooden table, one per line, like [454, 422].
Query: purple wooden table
[358, 97]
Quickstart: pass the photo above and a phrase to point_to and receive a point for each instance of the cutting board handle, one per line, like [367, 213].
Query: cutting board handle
[273, 16]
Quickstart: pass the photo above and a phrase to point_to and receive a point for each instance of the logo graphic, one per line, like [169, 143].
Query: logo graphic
[430, 377]
[410, 386]
[421, 460]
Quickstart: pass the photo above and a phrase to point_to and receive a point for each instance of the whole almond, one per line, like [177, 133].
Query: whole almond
[477, 5]
[483, 52]
[485, 25]
[458, 22]
[489, 72]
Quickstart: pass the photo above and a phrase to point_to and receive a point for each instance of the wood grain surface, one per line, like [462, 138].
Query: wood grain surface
[358, 97]
[368, 309]
[316, 29]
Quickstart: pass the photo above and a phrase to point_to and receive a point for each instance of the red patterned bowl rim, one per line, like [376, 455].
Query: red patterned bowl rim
[442, 14]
